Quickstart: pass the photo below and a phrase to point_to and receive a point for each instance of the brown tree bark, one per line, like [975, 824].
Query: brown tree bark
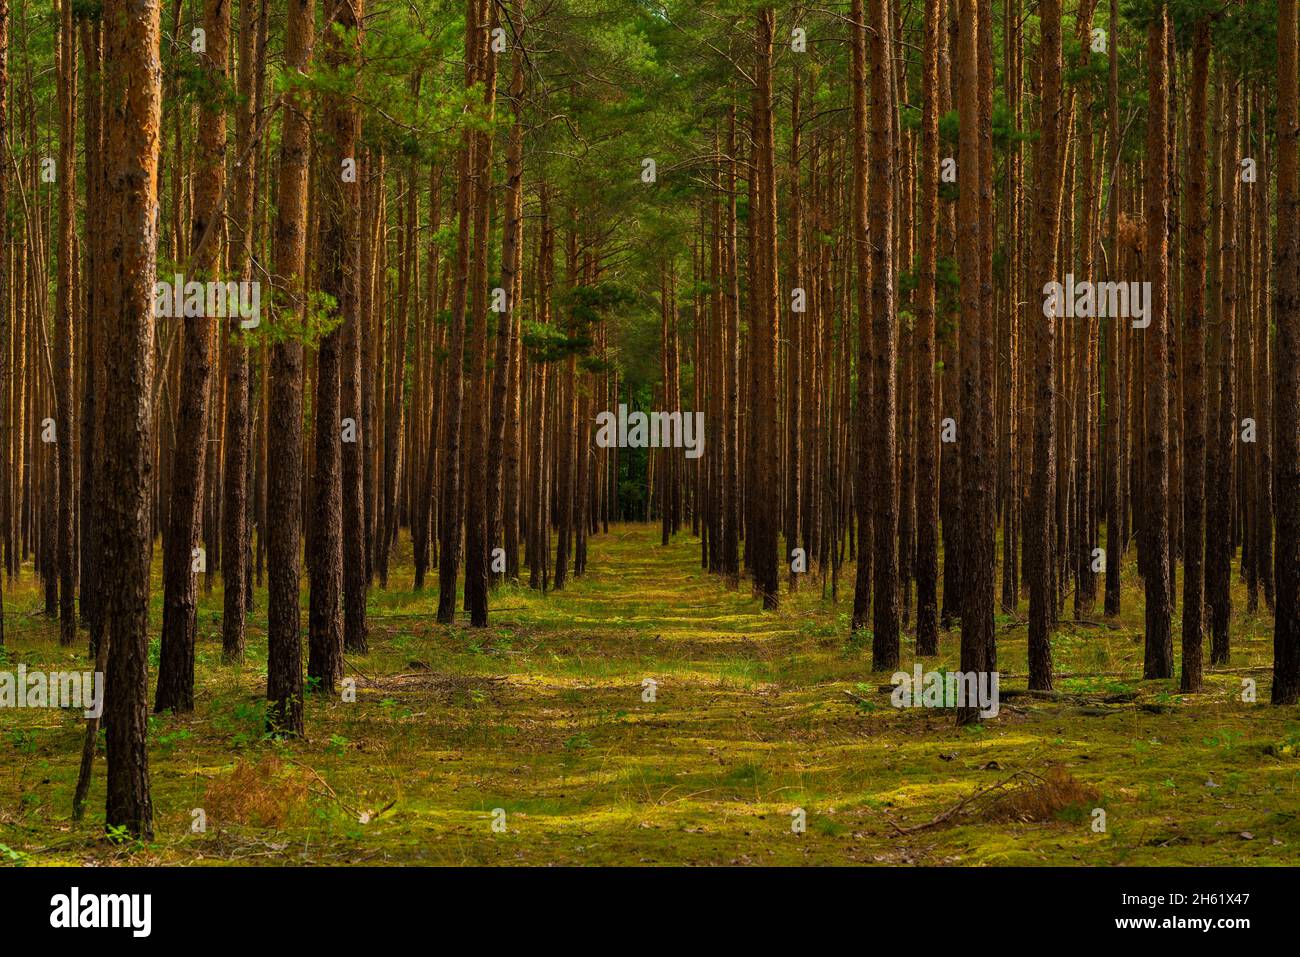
[65, 302]
[1194, 370]
[424, 504]
[235, 525]
[351, 388]
[476, 542]
[794, 341]
[133, 113]
[863, 485]
[884, 328]
[927, 437]
[180, 598]
[765, 330]
[1083, 544]
[511, 257]
[1286, 373]
[566, 396]
[539, 521]
[1038, 541]
[731, 371]
[453, 402]
[1264, 371]
[1220, 545]
[396, 451]
[1158, 660]
[338, 245]
[284, 684]
[1114, 440]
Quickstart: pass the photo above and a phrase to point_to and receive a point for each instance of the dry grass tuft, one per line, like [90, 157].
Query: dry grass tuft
[265, 794]
[1051, 796]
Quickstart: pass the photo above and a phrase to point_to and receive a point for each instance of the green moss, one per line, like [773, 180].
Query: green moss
[755, 716]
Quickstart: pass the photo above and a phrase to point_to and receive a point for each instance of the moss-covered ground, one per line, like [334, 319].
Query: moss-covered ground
[755, 715]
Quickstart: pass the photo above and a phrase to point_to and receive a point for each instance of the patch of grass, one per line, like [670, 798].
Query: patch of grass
[542, 715]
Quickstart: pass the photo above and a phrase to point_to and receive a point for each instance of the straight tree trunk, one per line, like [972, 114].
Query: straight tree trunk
[927, 476]
[449, 530]
[539, 521]
[338, 227]
[502, 368]
[284, 683]
[1220, 544]
[1081, 561]
[566, 400]
[476, 542]
[1158, 660]
[863, 485]
[794, 346]
[133, 107]
[351, 388]
[766, 328]
[235, 525]
[1043, 475]
[884, 323]
[1286, 373]
[424, 505]
[180, 546]
[1194, 372]
[65, 303]
[1114, 441]
[396, 453]
[731, 372]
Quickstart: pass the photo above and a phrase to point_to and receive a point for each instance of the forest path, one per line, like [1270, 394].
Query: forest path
[647, 714]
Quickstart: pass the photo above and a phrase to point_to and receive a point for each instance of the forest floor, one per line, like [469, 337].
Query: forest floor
[755, 716]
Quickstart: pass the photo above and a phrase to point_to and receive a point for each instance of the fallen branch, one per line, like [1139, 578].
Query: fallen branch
[945, 815]
[332, 793]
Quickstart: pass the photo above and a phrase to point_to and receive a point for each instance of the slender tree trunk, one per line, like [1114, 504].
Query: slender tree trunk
[863, 486]
[1114, 441]
[566, 396]
[502, 368]
[65, 303]
[424, 505]
[351, 388]
[235, 525]
[927, 477]
[453, 401]
[1220, 544]
[794, 343]
[476, 542]
[338, 238]
[731, 372]
[1081, 556]
[1043, 475]
[766, 329]
[1286, 373]
[284, 685]
[540, 520]
[181, 544]
[1158, 658]
[1194, 374]
[884, 324]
